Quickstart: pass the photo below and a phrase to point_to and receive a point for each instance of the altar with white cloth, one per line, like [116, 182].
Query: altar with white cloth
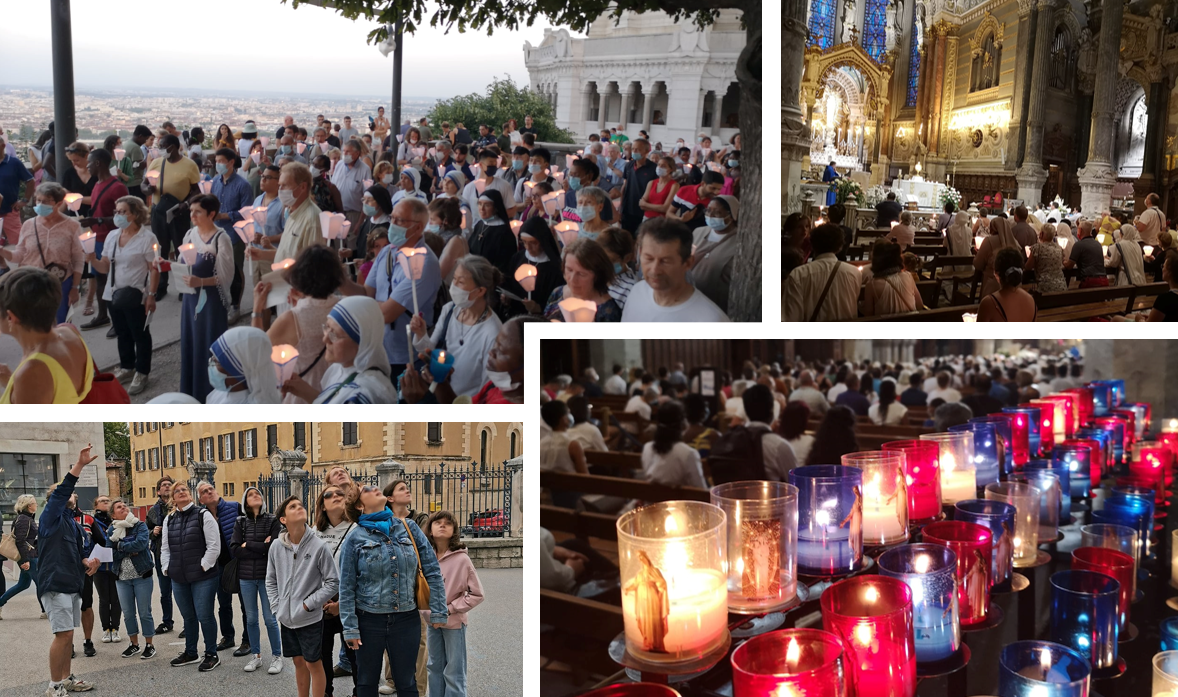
[927, 194]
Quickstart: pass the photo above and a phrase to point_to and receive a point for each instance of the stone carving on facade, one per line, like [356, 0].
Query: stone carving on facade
[1143, 41]
[1057, 145]
[988, 24]
[1086, 62]
[690, 40]
[895, 25]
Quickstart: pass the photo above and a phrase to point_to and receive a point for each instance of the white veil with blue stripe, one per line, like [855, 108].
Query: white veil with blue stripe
[362, 320]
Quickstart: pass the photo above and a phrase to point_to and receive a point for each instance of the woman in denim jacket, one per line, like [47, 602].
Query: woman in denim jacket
[132, 567]
[378, 577]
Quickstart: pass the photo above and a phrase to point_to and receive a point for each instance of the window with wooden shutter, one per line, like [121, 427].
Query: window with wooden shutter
[271, 439]
[350, 437]
[300, 435]
[434, 432]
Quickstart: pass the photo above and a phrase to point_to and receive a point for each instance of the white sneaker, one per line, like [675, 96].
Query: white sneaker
[106, 636]
[2, 612]
[386, 689]
[254, 664]
[59, 692]
[275, 666]
[138, 384]
[44, 616]
[114, 636]
[124, 374]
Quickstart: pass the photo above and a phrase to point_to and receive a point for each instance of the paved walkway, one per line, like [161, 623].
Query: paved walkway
[494, 654]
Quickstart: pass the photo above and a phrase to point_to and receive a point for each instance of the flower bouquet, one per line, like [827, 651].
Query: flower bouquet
[876, 194]
[950, 195]
[848, 189]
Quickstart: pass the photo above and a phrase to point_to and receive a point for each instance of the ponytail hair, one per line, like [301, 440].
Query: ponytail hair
[669, 427]
[1008, 265]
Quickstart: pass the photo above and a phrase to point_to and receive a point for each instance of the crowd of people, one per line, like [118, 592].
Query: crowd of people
[400, 266]
[313, 580]
[1013, 250]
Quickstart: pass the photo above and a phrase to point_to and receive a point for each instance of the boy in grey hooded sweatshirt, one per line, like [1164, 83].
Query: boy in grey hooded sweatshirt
[300, 578]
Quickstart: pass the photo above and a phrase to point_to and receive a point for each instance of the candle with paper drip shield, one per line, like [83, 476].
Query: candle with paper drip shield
[265, 140]
[259, 216]
[284, 357]
[332, 225]
[153, 177]
[551, 202]
[515, 226]
[1042, 669]
[73, 202]
[120, 153]
[279, 286]
[412, 260]
[568, 231]
[88, 239]
[577, 310]
[790, 663]
[525, 275]
[206, 186]
[245, 230]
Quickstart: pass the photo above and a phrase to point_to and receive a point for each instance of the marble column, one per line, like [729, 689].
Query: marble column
[717, 114]
[936, 94]
[1016, 135]
[586, 105]
[603, 106]
[648, 92]
[1032, 175]
[1157, 104]
[627, 100]
[1097, 176]
[795, 131]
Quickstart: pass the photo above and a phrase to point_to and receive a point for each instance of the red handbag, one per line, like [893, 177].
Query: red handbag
[106, 389]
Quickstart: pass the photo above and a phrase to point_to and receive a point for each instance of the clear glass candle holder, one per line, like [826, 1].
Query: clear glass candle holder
[1084, 614]
[1071, 416]
[1047, 484]
[873, 616]
[762, 544]
[1051, 424]
[973, 545]
[1034, 426]
[885, 496]
[1102, 456]
[790, 662]
[1064, 476]
[1101, 397]
[830, 519]
[988, 451]
[1144, 417]
[1114, 563]
[922, 474]
[998, 518]
[1020, 437]
[1165, 674]
[1076, 456]
[674, 592]
[1168, 628]
[1112, 536]
[1001, 426]
[958, 470]
[1042, 669]
[1025, 499]
[930, 570]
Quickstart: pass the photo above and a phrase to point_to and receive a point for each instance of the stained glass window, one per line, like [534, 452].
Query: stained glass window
[913, 62]
[822, 14]
[875, 20]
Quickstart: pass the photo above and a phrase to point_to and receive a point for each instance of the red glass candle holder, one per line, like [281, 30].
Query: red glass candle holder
[873, 617]
[1051, 429]
[1170, 440]
[1109, 562]
[922, 472]
[1156, 455]
[1071, 417]
[1020, 437]
[633, 689]
[790, 662]
[1096, 457]
[1085, 403]
[972, 545]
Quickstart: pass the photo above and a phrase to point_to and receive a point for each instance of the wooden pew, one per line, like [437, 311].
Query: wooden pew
[614, 461]
[622, 488]
[615, 403]
[582, 525]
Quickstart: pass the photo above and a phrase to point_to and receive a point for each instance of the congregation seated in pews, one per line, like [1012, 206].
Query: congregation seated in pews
[991, 266]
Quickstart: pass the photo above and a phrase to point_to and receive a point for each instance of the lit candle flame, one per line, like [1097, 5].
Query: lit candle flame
[793, 653]
[671, 525]
[1045, 661]
[922, 563]
[948, 464]
[442, 357]
[863, 634]
[871, 594]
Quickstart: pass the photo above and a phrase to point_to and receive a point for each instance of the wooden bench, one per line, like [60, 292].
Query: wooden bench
[1084, 303]
[613, 462]
[582, 630]
[612, 402]
[622, 488]
[582, 525]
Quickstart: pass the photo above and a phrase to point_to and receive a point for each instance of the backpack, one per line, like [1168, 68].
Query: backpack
[737, 455]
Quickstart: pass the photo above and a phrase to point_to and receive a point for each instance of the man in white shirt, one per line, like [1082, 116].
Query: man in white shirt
[664, 294]
[616, 384]
[1151, 221]
[582, 431]
[776, 453]
[826, 289]
[808, 393]
[944, 390]
[640, 404]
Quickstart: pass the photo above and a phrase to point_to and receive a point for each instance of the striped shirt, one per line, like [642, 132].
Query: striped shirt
[619, 288]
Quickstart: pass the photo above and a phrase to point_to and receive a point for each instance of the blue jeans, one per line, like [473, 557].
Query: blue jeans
[251, 591]
[195, 601]
[447, 661]
[135, 595]
[398, 634]
[225, 610]
[165, 592]
[25, 580]
[64, 308]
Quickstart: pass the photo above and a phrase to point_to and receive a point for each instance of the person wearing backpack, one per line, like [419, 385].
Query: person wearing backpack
[253, 534]
[762, 453]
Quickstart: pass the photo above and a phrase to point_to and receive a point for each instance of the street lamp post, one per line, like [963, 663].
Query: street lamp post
[398, 55]
[63, 82]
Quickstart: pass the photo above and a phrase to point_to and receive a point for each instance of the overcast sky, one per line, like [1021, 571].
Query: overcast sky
[266, 46]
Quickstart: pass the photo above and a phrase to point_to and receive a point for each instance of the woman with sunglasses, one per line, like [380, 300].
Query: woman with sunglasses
[332, 525]
[377, 619]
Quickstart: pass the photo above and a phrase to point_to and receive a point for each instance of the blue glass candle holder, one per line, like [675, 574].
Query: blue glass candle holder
[987, 449]
[1042, 669]
[830, 519]
[930, 571]
[1116, 430]
[1169, 631]
[1117, 386]
[1084, 615]
[1047, 485]
[1002, 429]
[440, 364]
[1062, 473]
[998, 516]
[1034, 426]
[1105, 438]
[1101, 396]
[1078, 462]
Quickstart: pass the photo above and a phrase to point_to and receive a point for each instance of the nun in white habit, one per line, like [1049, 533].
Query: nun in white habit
[359, 370]
[410, 187]
[241, 371]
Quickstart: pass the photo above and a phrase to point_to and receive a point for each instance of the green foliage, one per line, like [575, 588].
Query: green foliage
[118, 440]
[504, 100]
[489, 15]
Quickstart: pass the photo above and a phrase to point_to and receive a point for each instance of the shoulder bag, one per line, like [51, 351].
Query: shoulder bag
[56, 270]
[8, 547]
[421, 593]
[822, 298]
[127, 298]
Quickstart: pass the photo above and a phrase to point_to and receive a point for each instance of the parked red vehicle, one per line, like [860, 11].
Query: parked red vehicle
[489, 523]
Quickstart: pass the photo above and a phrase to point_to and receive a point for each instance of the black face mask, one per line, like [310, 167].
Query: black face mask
[491, 170]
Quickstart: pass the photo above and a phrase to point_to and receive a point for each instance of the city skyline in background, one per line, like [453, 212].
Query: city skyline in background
[123, 51]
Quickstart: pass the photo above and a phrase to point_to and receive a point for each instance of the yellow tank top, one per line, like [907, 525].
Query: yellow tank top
[63, 386]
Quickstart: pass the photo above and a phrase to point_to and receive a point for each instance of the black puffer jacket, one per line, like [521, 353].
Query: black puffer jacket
[24, 529]
[253, 532]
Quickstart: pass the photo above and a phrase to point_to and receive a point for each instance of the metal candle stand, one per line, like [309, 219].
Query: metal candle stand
[947, 677]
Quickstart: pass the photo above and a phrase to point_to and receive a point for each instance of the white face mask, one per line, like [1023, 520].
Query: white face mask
[460, 297]
[387, 179]
[315, 171]
[287, 197]
[502, 380]
[347, 159]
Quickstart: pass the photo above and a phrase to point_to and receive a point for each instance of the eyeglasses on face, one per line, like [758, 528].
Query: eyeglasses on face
[331, 494]
[368, 488]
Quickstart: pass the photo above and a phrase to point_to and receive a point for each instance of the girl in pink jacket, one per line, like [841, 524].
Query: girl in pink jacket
[447, 646]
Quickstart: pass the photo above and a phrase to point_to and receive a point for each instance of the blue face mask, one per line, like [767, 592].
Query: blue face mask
[574, 183]
[222, 168]
[121, 222]
[397, 235]
[217, 379]
[586, 213]
[517, 165]
[369, 211]
[433, 227]
[535, 169]
[284, 150]
[618, 268]
[734, 163]
[715, 223]
[43, 209]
